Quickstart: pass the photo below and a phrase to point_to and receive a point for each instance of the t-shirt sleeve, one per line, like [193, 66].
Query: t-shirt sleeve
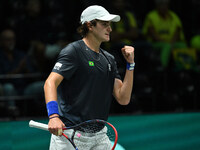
[66, 63]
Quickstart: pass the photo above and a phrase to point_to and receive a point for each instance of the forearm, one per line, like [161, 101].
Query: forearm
[126, 88]
[50, 91]
[123, 90]
[55, 125]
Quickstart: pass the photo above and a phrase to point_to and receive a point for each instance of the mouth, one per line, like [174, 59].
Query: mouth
[107, 34]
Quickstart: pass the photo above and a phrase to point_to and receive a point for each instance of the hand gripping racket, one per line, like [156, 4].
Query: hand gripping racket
[91, 127]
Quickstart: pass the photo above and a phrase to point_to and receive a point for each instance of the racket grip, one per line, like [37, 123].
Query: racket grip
[38, 125]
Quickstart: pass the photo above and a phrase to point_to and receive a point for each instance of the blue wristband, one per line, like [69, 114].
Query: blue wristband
[52, 108]
[130, 66]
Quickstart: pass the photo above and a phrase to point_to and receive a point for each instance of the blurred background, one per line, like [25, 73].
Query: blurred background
[166, 37]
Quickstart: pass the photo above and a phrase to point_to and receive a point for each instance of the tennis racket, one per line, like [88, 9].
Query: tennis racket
[92, 127]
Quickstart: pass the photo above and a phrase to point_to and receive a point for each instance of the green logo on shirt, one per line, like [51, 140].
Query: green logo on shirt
[91, 63]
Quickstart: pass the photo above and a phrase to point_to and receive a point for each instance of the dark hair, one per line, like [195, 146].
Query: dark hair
[83, 29]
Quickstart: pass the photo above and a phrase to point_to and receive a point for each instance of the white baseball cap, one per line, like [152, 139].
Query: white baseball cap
[97, 12]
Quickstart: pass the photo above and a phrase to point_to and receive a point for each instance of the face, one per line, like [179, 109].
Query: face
[102, 31]
[162, 6]
[119, 5]
[33, 7]
[8, 40]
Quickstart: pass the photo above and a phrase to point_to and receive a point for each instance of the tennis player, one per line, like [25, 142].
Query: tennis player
[83, 80]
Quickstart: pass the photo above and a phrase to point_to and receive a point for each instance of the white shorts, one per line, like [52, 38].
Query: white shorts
[87, 141]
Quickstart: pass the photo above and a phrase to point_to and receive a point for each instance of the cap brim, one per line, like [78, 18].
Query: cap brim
[110, 17]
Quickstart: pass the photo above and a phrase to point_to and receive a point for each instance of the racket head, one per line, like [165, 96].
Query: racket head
[93, 127]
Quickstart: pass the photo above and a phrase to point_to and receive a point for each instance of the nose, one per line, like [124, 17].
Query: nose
[109, 28]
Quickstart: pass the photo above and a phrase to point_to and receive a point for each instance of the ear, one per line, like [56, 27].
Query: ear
[89, 25]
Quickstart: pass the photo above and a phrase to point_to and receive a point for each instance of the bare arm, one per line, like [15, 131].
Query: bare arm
[50, 90]
[122, 90]
[50, 86]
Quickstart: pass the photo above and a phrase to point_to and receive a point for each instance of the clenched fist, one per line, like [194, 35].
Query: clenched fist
[128, 53]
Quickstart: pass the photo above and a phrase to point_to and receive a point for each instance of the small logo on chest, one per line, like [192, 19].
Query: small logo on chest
[91, 63]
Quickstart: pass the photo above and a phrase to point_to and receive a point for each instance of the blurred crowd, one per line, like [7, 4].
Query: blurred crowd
[164, 33]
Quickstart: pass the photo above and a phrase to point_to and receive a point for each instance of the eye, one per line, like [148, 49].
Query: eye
[105, 24]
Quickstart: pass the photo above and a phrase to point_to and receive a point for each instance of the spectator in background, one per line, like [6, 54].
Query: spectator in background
[123, 32]
[12, 61]
[195, 43]
[33, 26]
[163, 28]
[64, 14]
[38, 64]
[127, 32]
[52, 50]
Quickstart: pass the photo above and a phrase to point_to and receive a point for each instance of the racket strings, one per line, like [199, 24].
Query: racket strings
[91, 127]
[110, 133]
[98, 134]
[95, 127]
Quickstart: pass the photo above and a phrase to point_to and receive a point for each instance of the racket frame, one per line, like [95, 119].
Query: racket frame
[43, 126]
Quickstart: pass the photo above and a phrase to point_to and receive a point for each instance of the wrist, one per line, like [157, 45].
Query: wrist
[131, 62]
[52, 108]
[53, 116]
[130, 66]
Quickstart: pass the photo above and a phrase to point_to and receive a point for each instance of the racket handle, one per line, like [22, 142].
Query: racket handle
[38, 125]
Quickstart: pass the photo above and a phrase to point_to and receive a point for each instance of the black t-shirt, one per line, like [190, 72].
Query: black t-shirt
[86, 90]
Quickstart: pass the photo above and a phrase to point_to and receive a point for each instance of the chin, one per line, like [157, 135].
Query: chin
[106, 40]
